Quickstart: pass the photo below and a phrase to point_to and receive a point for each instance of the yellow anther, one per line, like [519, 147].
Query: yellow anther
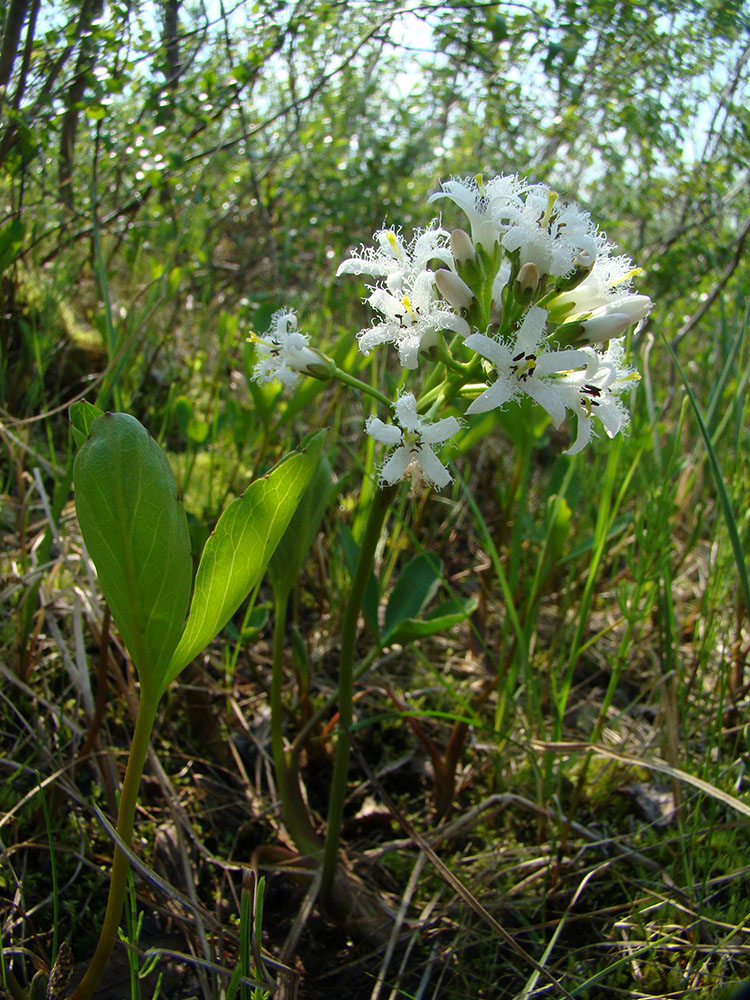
[391, 237]
[551, 199]
[407, 305]
[632, 273]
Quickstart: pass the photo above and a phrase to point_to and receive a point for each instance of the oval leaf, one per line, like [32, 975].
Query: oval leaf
[414, 589]
[445, 616]
[135, 530]
[237, 553]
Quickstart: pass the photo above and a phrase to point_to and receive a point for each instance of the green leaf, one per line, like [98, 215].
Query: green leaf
[237, 553]
[11, 241]
[443, 617]
[286, 562]
[82, 414]
[135, 530]
[414, 589]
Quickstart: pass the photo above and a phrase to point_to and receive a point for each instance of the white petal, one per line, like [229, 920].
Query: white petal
[498, 394]
[456, 323]
[489, 348]
[405, 409]
[583, 437]
[385, 433]
[531, 330]
[408, 349]
[395, 467]
[433, 468]
[612, 414]
[441, 430]
[384, 333]
[561, 361]
[548, 397]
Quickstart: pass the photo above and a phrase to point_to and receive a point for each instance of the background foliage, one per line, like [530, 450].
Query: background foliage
[172, 172]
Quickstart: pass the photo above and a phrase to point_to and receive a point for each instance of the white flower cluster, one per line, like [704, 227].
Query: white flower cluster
[412, 312]
[533, 299]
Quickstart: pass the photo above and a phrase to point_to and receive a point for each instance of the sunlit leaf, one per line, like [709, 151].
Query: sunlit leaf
[237, 553]
[135, 530]
[286, 561]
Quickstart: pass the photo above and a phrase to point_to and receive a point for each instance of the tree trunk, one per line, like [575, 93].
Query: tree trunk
[90, 9]
[14, 19]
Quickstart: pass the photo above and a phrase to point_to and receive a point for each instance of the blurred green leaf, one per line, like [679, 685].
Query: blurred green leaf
[82, 414]
[372, 594]
[286, 562]
[11, 241]
[416, 586]
[440, 619]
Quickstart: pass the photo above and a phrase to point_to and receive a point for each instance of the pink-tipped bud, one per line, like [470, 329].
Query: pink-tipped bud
[453, 289]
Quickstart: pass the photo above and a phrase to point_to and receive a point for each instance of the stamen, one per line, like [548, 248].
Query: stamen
[408, 307]
[632, 273]
[391, 237]
[546, 216]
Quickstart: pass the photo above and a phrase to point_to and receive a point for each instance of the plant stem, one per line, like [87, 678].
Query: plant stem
[381, 503]
[118, 884]
[296, 816]
[356, 383]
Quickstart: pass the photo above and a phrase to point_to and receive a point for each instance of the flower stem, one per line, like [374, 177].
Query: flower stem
[295, 812]
[381, 503]
[118, 883]
[356, 383]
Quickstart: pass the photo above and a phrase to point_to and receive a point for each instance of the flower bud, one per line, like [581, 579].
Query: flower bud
[462, 247]
[582, 267]
[600, 329]
[321, 367]
[613, 319]
[453, 289]
[528, 280]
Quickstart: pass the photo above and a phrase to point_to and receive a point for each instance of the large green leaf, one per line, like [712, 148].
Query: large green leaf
[237, 553]
[135, 530]
[286, 562]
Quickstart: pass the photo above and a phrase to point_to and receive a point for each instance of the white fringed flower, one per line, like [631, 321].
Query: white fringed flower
[552, 236]
[398, 263]
[527, 366]
[283, 352]
[605, 293]
[596, 393]
[412, 319]
[486, 205]
[414, 440]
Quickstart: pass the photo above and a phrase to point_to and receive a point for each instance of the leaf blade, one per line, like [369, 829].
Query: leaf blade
[135, 530]
[237, 553]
